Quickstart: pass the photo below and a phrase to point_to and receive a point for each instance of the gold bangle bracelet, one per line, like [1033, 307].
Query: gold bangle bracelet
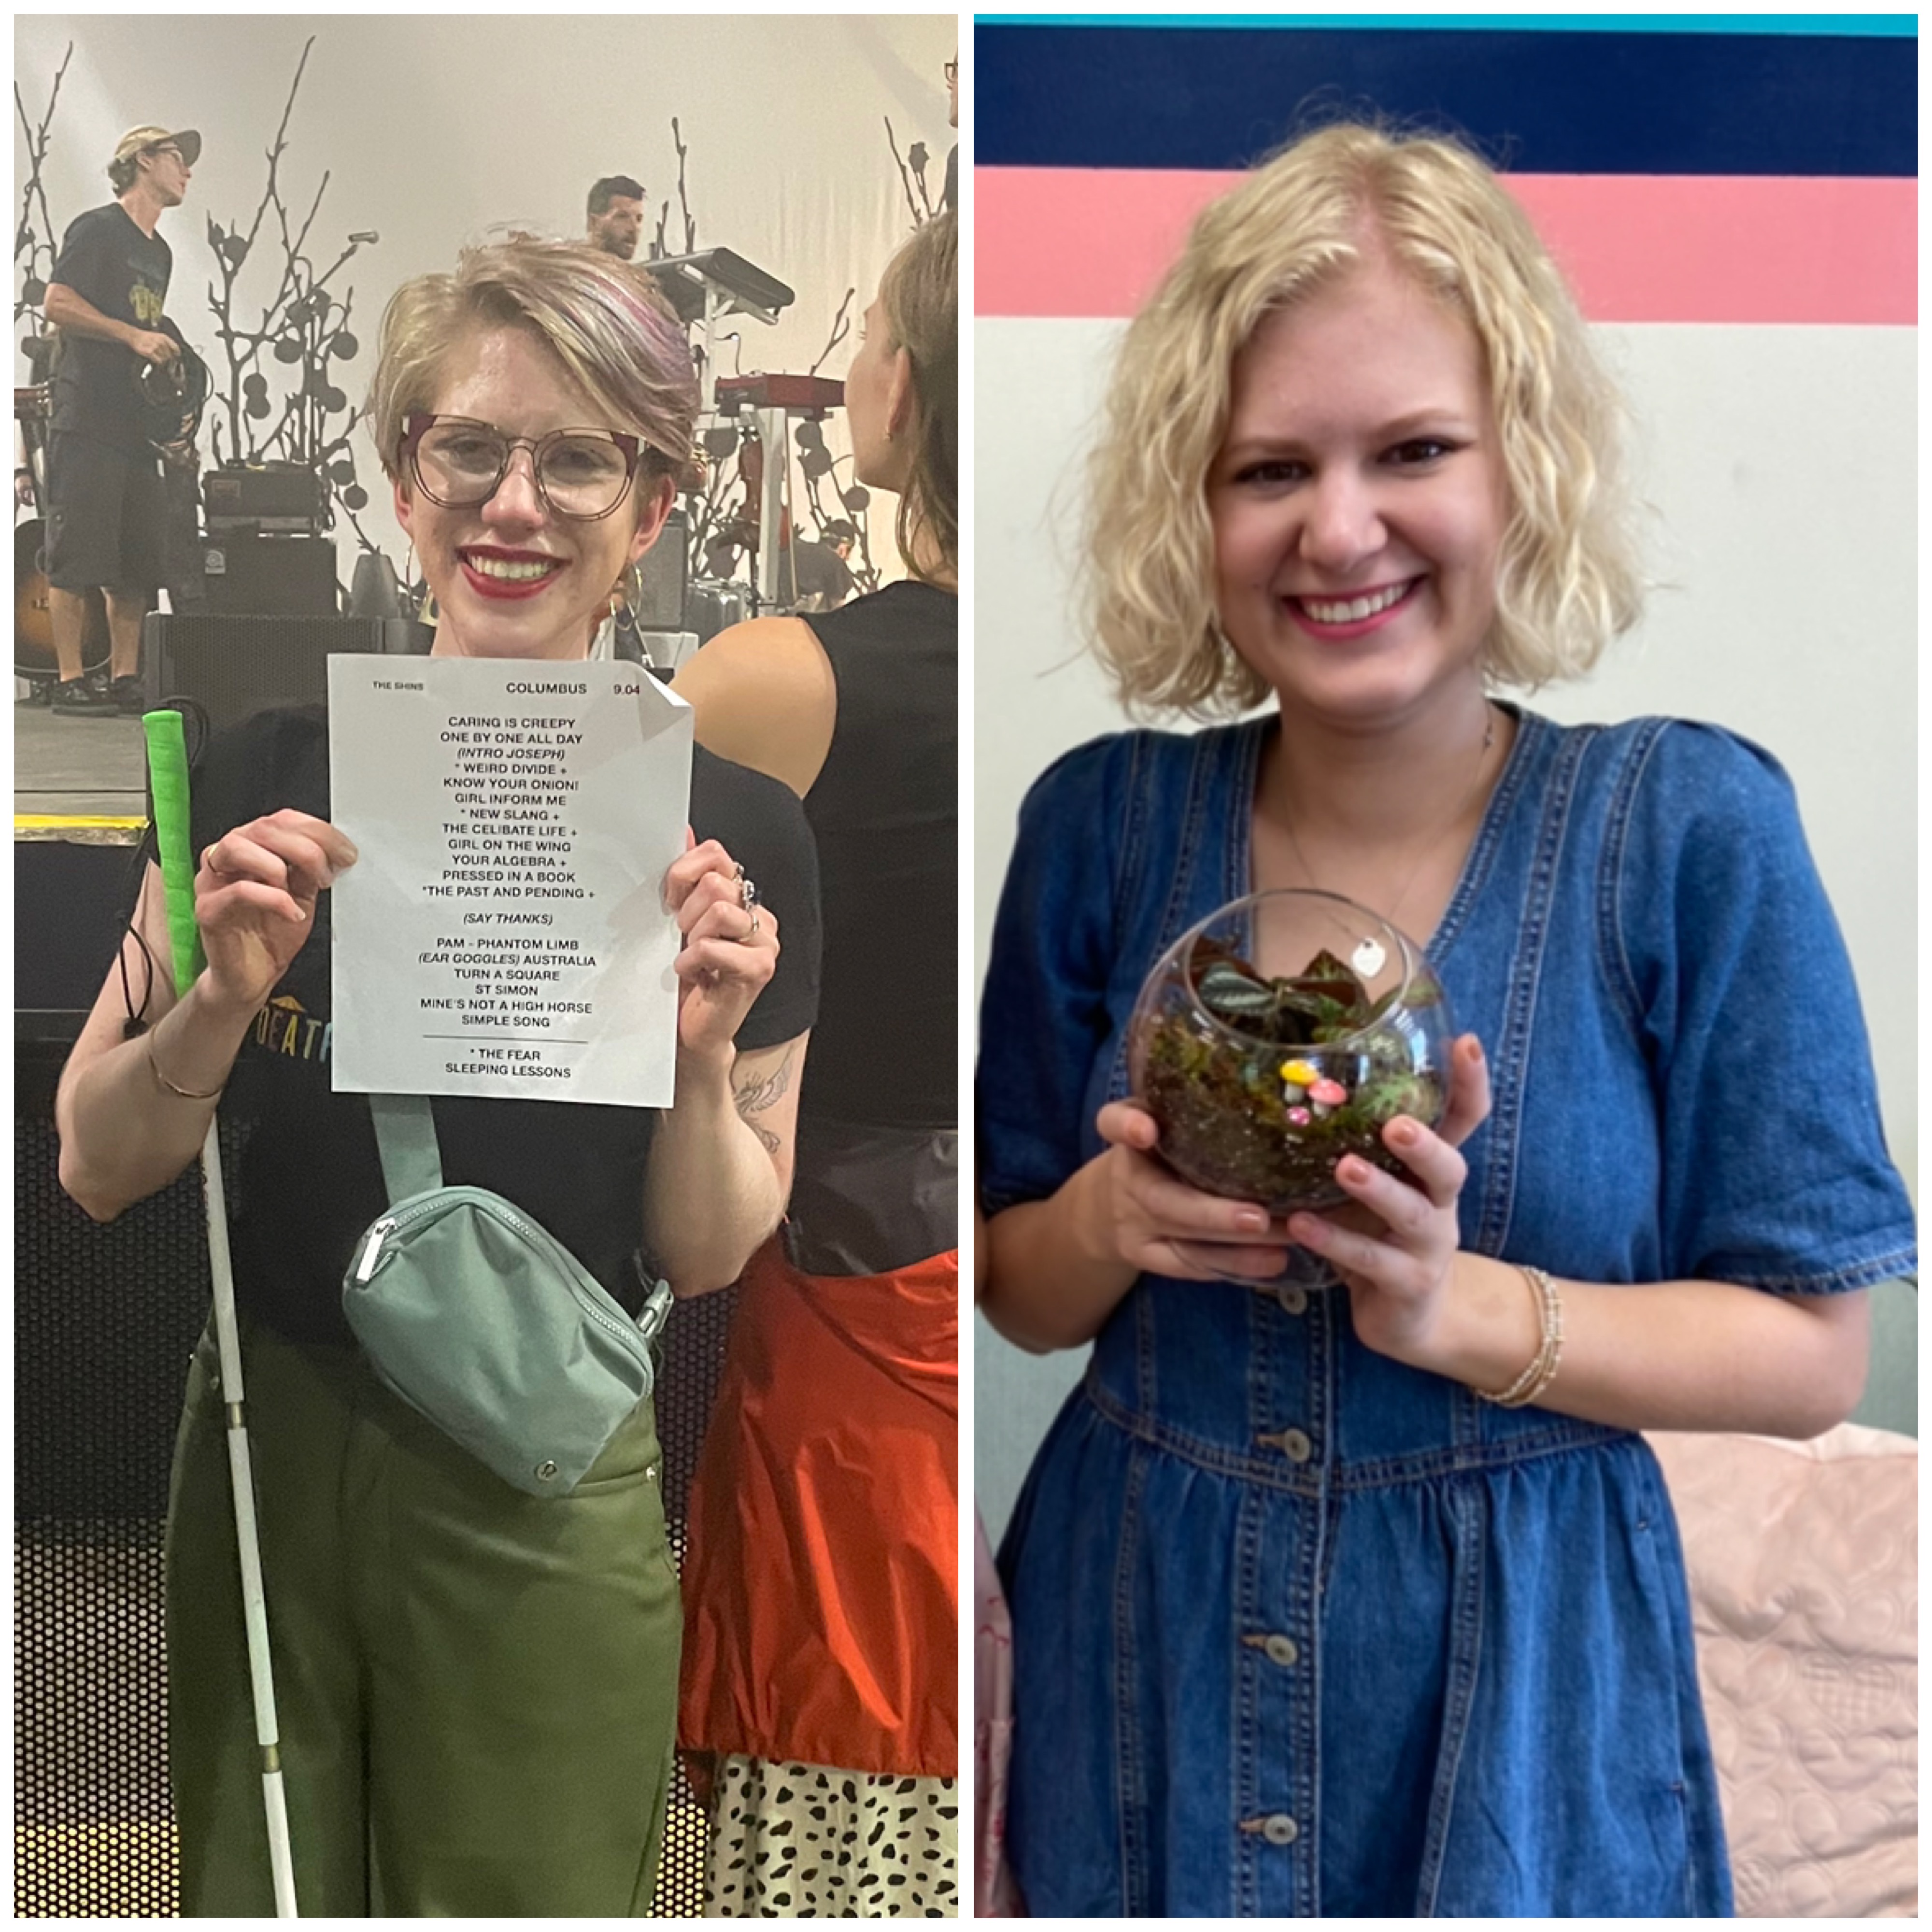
[166, 1085]
[1541, 1372]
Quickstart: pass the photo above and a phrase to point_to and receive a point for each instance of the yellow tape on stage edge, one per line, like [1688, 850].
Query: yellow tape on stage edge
[37, 821]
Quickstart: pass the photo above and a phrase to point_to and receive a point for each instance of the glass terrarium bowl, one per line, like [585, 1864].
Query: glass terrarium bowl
[1284, 1031]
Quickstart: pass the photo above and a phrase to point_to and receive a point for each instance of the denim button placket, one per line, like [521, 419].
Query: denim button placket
[1278, 1828]
[1277, 1646]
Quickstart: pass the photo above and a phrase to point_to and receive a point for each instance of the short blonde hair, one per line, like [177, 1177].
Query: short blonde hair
[604, 320]
[1568, 578]
[919, 295]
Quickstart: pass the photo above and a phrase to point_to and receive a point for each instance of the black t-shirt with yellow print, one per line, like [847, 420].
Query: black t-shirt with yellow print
[108, 260]
[308, 1181]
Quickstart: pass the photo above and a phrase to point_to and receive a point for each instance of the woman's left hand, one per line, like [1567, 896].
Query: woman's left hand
[1395, 1248]
[730, 948]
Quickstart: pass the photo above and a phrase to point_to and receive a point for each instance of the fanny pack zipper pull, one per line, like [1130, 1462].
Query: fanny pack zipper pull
[372, 1246]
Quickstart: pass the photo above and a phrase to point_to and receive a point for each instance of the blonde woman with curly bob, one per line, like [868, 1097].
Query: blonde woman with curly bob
[1306, 1619]
[477, 1688]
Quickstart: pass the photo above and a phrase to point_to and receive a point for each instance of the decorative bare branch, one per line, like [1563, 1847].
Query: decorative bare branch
[912, 174]
[725, 472]
[683, 200]
[363, 542]
[36, 244]
[303, 326]
[841, 328]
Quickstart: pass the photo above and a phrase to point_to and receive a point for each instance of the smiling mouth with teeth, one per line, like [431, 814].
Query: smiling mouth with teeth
[513, 570]
[1353, 610]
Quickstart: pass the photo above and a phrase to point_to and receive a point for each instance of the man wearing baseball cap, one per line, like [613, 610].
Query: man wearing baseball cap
[106, 502]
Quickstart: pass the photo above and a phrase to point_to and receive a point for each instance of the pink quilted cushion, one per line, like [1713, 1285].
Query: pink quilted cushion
[1804, 1562]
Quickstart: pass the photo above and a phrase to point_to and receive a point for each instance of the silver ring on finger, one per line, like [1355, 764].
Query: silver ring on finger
[748, 897]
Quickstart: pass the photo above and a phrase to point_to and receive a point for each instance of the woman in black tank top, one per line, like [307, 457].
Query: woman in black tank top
[832, 1683]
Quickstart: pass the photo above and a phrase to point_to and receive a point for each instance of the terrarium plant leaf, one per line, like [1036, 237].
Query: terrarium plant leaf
[1298, 996]
[1328, 975]
[1231, 990]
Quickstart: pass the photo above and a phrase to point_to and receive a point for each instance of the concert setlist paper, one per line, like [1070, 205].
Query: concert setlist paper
[503, 932]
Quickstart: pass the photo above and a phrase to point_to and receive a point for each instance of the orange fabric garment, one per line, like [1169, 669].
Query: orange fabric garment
[821, 1574]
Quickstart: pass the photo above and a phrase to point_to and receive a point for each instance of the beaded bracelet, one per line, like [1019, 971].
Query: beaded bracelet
[167, 1085]
[1542, 1370]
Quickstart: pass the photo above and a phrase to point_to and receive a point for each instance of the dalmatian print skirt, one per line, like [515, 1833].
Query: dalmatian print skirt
[805, 1841]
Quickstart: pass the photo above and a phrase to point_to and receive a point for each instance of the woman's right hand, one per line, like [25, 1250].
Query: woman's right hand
[1157, 1224]
[254, 900]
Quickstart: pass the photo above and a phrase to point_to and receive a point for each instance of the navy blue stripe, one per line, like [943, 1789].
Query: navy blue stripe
[1536, 103]
[1890, 25]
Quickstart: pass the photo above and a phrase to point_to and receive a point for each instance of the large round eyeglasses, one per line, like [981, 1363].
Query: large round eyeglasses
[457, 462]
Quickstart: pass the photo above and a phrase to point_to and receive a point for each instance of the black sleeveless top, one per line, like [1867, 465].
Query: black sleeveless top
[885, 811]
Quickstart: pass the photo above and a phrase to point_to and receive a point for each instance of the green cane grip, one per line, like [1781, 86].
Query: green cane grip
[167, 778]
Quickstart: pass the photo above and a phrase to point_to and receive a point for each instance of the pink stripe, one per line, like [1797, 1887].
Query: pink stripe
[1078, 241]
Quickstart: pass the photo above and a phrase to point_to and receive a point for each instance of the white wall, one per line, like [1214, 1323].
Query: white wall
[435, 129]
[1782, 464]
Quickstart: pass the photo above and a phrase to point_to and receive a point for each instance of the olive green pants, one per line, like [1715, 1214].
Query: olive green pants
[477, 1689]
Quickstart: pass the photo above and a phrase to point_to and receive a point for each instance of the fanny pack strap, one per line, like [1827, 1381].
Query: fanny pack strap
[405, 1140]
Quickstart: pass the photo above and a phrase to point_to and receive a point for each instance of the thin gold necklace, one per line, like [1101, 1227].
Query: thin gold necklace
[1369, 955]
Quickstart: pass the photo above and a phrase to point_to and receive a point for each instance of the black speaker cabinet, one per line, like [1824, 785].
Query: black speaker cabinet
[264, 497]
[69, 904]
[250, 575]
[660, 604]
[234, 667]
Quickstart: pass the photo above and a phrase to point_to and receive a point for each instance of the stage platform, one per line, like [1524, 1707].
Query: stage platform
[82, 780]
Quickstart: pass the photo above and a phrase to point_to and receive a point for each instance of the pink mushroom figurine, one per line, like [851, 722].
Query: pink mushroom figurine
[1325, 1096]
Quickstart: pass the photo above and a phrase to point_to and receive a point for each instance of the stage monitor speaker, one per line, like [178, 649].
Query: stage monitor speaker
[69, 904]
[661, 573]
[249, 575]
[234, 667]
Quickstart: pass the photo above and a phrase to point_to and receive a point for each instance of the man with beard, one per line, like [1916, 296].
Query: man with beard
[616, 216]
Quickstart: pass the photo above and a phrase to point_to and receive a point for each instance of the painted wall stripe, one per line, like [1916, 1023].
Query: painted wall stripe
[1537, 102]
[1053, 241]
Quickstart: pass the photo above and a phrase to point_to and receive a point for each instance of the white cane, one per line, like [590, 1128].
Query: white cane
[167, 770]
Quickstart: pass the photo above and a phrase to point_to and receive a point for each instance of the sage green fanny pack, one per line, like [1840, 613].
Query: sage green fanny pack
[484, 1322]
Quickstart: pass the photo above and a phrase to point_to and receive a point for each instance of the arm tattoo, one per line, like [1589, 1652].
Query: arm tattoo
[758, 1094]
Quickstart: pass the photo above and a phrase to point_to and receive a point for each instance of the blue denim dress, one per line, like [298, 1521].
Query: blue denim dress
[1300, 1631]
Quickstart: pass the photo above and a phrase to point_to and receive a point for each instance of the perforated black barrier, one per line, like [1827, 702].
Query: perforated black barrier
[105, 1318]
